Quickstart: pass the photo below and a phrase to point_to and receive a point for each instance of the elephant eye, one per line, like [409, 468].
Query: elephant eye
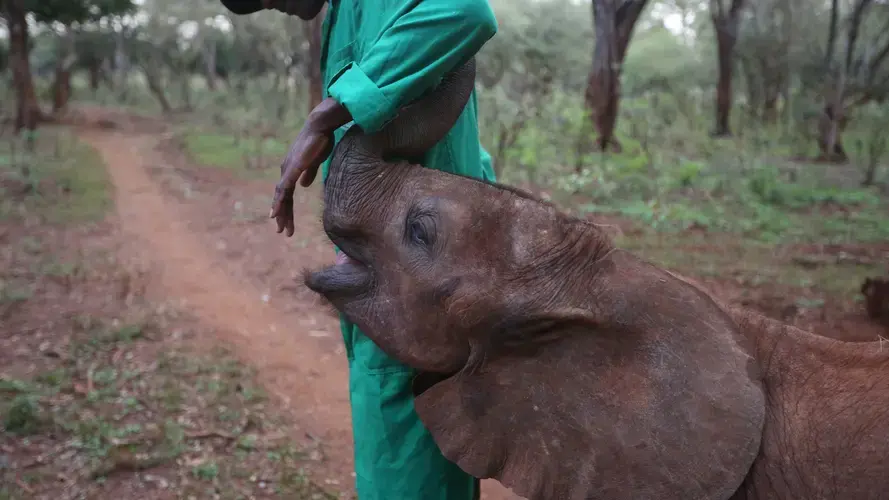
[420, 230]
[418, 233]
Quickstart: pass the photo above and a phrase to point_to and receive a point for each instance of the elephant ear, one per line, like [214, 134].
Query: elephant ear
[659, 400]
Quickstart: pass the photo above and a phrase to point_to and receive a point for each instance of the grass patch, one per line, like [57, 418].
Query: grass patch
[750, 263]
[62, 180]
[115, 408]
[828, 224]
[244, 155]
[762, 204]
[101, 397]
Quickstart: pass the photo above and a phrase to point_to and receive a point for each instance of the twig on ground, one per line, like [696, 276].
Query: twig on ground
[128, 463]
[44, 458]
[212, 433]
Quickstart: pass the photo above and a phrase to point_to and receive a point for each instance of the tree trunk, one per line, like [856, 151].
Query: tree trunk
[753, 84]
[27, 108]
[613, 29]
[725, 24]
[95, 71]
[870, 174]
[210, 64]
[725, 43]
[770, 106]
[156, 87]
[185, 81]
[830, 134]
[121, 65]
[61, 87]
[313, 64]
[833, 119]
[773, 80]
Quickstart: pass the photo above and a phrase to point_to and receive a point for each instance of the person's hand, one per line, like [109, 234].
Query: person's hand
[311, 147]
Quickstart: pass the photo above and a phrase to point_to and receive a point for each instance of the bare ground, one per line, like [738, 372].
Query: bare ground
[206, 239]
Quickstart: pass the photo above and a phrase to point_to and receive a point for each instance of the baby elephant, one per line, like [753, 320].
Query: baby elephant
[569, 369]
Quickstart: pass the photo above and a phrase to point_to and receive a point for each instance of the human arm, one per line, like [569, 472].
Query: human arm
[311, 147]
[424, 40]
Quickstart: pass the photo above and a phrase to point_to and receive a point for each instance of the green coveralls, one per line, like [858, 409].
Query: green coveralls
[378, 55]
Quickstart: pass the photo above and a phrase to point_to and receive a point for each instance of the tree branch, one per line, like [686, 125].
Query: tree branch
[877, 61]
[832, 34]
[854, 27]
[716, 9]
[736, 7]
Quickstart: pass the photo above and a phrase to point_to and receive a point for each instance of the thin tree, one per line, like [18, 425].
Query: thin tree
[27, 109]
[726, 23]
[614, 21]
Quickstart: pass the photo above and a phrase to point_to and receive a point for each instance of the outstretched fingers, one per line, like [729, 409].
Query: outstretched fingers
[282, 206]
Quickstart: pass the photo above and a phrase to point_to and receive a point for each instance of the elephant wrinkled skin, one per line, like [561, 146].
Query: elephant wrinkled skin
[569, 369]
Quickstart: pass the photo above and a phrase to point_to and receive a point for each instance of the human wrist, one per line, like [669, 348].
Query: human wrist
[328, 116]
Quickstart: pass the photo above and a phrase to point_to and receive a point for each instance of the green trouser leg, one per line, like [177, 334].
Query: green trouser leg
[395, 456]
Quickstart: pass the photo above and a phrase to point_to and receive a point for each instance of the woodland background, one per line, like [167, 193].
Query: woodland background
[740, 142]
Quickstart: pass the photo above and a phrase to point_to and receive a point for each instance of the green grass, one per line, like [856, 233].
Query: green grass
[63, 180]
[199, 420]
[748, 262]
[760, 222]
[104, 389]
[762, 202]
[243, 155]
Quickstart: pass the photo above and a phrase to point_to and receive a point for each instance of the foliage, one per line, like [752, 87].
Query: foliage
[69, 12]
[241, 79]
[62, 180]
[741, 209]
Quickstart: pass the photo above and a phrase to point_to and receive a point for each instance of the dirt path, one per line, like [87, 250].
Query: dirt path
[306, 373]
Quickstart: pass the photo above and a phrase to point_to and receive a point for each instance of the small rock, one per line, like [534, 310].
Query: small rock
[158, 481]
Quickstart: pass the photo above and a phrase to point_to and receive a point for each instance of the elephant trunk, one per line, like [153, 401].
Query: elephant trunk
[417, 128]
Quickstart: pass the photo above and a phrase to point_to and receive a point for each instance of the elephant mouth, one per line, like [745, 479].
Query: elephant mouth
[348, 276]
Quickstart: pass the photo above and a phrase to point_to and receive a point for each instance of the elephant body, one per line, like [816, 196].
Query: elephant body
[826, 434]
[569, 369]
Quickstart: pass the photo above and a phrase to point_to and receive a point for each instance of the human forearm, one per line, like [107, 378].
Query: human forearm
[328, 116]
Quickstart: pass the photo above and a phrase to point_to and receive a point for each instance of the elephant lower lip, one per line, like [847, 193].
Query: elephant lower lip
[347, 276]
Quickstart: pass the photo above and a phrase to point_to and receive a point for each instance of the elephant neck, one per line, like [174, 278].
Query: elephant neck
[826, 426]
[781, 347]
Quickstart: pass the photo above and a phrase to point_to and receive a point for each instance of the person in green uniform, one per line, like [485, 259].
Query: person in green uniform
[377, 56]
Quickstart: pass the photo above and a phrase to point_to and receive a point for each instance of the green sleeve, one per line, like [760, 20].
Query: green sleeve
[424, 40]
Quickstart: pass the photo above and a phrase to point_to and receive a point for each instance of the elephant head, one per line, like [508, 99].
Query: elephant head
[550, 360]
